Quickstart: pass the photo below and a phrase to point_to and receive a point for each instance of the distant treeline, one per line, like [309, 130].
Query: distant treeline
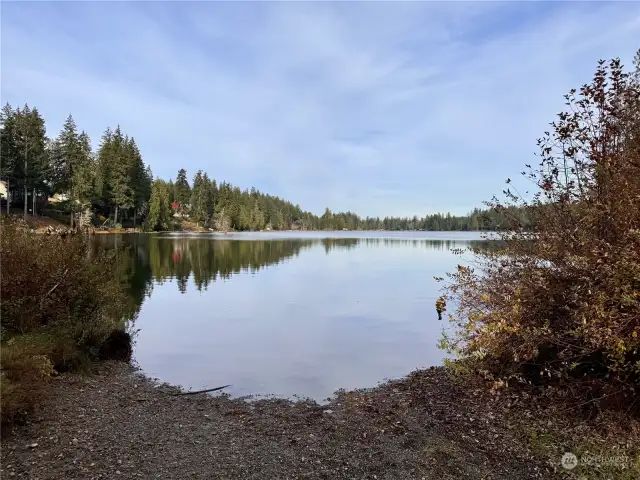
[226, 207]
[115, 183]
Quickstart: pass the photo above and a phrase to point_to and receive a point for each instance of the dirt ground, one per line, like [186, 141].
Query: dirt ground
[117, 424]
[39, 223]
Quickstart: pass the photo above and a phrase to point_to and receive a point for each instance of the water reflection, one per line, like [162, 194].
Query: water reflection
[283, 316]
[145, 259]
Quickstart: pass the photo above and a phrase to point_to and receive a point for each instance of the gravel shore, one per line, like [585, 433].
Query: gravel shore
[117, 424]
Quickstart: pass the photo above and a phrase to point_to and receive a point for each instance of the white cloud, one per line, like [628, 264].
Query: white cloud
[381, 108]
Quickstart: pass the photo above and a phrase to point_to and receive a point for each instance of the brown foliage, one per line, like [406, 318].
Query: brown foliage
[59, 306]
[561, 305]
[50, 280]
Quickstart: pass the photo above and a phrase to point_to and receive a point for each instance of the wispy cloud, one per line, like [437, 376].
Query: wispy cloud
[383, 108]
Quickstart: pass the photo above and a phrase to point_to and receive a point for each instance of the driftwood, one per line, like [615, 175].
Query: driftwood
[207, 390]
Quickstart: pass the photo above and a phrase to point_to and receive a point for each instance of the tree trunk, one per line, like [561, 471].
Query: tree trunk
[71, 219]
[115, 219]
[25, 201]
[34, 202]
[8, 197]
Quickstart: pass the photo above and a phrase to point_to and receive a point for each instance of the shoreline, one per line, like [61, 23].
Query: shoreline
[41, 223]
[119, 423]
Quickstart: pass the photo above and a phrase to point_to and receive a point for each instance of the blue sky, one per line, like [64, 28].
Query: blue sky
[382, 108]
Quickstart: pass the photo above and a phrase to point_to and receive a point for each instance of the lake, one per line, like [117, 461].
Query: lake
[285, 313]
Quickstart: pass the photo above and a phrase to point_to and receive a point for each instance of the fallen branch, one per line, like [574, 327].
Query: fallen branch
[199, 391]
[54, 287]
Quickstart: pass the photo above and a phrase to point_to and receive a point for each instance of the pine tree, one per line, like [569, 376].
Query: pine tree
[257, 217]
[146, 191]
[160, 212]
[215, 198]
[473, 224]
[82, 174]
[105, 161]
[70, 154]
[198, 202]
[243, 221]
[208, 198]
[182, 189]
[122, 194]
[172, 191]
[9, 147]
[30, 163]
[140, 179]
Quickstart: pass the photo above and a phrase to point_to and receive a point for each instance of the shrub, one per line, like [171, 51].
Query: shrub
[60, 303]
[561, 305]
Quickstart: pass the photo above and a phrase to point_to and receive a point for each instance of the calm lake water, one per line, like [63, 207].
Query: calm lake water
[286, 313]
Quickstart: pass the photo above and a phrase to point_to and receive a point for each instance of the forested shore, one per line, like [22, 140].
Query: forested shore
[113, 185]
[543, 340]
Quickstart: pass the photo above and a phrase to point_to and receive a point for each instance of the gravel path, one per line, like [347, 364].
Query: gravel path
[116, 424]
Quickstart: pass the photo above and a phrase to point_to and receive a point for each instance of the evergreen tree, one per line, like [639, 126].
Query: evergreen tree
[209, 198]
[9, 149]
[257, 217]
[172, 191]
[69, 155]
[82, 173]
[182, 189]
[160, 213]
[140, 179]
[474, 224]
[105, 161]
[121, 181]
[198, 200]
[29, 162]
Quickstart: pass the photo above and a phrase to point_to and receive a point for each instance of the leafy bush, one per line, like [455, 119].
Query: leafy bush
[59, 306]
[561, 305]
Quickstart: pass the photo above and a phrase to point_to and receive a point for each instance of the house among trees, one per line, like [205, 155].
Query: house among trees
[59, 197]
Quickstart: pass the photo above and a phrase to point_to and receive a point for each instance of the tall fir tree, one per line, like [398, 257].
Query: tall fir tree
[9, 149]
[160, 212]
[139, 179]
[104, 167]
[31, 163]
[182, 189]
[82, 174]
[122, 194]
[209, 199]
